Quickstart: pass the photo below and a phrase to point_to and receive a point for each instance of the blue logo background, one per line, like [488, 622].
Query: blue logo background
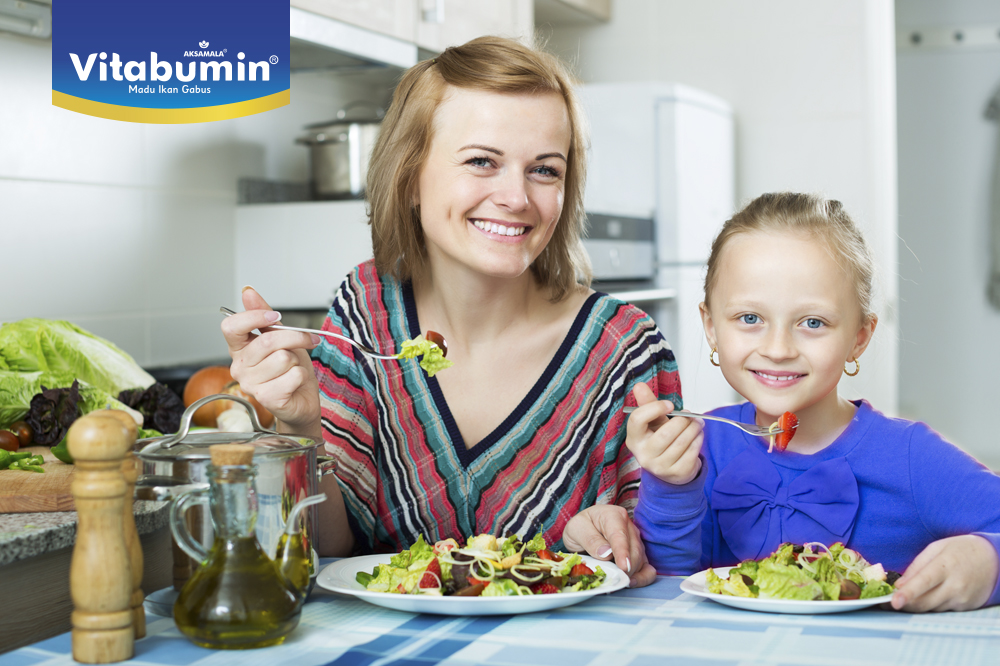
[134, 28]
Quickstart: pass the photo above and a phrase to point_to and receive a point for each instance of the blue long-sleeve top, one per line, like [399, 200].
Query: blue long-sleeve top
[886, 488]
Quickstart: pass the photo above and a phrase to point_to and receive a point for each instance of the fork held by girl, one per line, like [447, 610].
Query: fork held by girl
[788, 305]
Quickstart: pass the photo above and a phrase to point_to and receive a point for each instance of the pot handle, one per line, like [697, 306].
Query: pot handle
[342, 113]
[179, 528]
[188, 414]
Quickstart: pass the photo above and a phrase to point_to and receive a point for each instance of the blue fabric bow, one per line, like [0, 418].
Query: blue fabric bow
[757, 514]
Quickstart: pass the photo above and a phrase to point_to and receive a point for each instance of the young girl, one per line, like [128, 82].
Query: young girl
[787, 310]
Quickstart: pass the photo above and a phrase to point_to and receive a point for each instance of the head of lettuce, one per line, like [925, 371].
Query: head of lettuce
[37, 353]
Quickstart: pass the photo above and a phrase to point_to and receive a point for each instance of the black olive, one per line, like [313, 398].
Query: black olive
[849, 589]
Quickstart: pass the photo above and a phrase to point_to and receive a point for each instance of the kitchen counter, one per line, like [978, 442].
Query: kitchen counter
[35, 554]
[25, 535]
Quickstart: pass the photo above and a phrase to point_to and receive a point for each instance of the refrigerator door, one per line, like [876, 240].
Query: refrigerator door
[702, 384]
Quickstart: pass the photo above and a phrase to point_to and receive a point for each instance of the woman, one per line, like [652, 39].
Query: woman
[476, 204]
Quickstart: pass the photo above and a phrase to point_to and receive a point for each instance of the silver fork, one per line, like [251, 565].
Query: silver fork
[749, 428]
[364, 350]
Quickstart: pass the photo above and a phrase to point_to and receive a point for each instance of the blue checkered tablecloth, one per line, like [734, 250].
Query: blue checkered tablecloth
[656, 624]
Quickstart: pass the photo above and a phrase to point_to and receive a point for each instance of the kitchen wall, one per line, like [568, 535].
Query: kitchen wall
[812, 87]
[127, 229]
[949, 159]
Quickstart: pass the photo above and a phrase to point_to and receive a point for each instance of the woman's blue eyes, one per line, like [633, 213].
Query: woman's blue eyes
[481, 162]
[750, 319]
[486, 163]
[813, 323]
[547, 171]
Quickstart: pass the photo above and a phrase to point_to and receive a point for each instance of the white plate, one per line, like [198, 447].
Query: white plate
[340, 577]
[695, 584]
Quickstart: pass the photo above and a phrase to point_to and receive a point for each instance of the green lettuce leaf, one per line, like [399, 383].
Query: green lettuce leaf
[782, 581]
[747, 567]
[784, 555]
[876, 588]
[432, 357]
[18, 388]
[827, 577]
[537, 543]
[588, 581]
[510, 546]
[501, 587]
[43, 345]
[733, 586]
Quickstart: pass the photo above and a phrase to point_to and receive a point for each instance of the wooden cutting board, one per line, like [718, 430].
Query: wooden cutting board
[27, 492]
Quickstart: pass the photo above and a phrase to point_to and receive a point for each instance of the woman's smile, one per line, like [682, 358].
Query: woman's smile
[501, 231]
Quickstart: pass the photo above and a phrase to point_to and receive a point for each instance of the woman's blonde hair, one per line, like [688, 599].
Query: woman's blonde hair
[493, 64]
[823, 218]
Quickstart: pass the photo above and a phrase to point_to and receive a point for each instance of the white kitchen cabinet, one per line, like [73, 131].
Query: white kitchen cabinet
[572, 12]
[444, 23]
[396, 18]
[296, 254]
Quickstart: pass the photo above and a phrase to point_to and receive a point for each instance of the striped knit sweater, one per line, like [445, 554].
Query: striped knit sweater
[402, 464]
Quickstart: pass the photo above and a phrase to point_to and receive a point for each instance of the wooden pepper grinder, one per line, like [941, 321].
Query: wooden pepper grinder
[130, 471]
[100, 573]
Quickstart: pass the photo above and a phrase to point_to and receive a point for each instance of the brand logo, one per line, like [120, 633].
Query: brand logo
[133, 61]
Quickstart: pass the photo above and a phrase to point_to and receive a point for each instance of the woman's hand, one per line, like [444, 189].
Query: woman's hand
[667, 448]
[957, 573]
[274, 367]
[604, 530]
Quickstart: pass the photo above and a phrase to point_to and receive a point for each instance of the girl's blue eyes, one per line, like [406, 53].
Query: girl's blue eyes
[751, 319]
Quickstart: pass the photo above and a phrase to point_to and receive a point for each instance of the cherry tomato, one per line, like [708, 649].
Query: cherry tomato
[9, 441]
[23, 432]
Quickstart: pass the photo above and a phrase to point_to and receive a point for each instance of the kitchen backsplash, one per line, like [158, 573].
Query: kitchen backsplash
[125, 229]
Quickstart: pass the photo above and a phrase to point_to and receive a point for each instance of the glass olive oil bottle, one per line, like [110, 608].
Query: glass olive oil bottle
[238, 598]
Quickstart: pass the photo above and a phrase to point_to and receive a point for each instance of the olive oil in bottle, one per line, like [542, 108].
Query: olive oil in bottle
[238, 598]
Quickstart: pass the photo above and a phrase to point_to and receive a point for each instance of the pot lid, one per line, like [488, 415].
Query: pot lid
[349, 115]
[187, 445]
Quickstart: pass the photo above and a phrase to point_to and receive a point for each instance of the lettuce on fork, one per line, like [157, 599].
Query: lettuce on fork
[432, 357]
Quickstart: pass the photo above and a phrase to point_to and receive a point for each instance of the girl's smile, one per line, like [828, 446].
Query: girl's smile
[777, 379]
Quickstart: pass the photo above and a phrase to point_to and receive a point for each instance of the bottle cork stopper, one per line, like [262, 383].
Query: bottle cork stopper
[231, 454]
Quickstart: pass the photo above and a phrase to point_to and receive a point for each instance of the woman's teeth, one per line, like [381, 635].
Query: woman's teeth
[500, 229]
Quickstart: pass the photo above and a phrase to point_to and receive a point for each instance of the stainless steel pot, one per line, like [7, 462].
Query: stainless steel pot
[339, 150]
[287, 471]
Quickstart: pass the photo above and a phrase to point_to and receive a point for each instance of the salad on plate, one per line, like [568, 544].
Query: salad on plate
[483, 567]
[809, 572]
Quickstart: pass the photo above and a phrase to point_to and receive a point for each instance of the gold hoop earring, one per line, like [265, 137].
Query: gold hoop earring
[711, 356]
[857, 368]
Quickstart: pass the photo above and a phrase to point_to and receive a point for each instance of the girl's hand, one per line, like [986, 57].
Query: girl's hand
[957, 573]
[604, 530]
[667, 448]
[274, 367]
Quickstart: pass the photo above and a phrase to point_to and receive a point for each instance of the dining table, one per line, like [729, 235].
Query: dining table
[656, 624]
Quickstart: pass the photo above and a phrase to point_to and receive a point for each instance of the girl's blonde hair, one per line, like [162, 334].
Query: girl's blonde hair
[491, 64]
[823, 218]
